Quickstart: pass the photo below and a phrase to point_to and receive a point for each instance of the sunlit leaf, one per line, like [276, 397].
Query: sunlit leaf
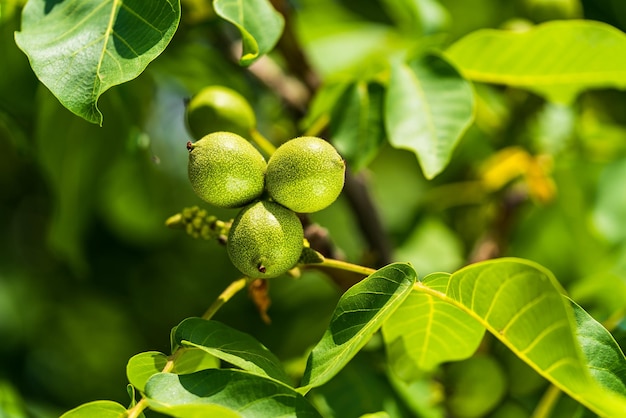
[425, 331]
[194, 359]
[97, 409]
[231, 345]
[605, 358]
[247, 394]
[359, 314]
[260, 25]
[81, 49]
[557, 59]
[142, 366]
[427, 108]
[521, 304]
[356, 123]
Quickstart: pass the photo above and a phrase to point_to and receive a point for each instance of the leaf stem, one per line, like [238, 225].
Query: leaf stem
[266, 146]
[318, 126]
[547, 402]
[343, 265]
[136, 410]
[225, 296]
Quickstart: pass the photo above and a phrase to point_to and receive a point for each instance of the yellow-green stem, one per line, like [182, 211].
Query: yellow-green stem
[225, 296]
[343, 265]
[266, 146]
[318, 126]
[547, 402]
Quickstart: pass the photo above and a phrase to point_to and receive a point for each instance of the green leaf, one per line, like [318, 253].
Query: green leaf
[260, 25]
[359, 314]
[142, 366]
[425, 332]
[228, 344]
[605, 358]
[356, 123]
[81, 49]
[97, 409]
[557, 59]
[521, 304]
[428, 107]
[247, 394]
[194, 359]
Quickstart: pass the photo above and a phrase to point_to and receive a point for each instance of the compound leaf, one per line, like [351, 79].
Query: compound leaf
[557, 59]
[247, 394]
[428, 107]
[359, 314]
[522, 305]
[80, 49]
[259, 23]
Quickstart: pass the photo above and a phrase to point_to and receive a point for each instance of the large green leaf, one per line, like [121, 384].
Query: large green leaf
[359, 314]
[356, 123]
[427, 108]
[80, 49]
[521, 304]
[260, 25]
[97, 409]
[235, 347]
[247, 394]
[426, 331]
[557, 59]
[605, 358]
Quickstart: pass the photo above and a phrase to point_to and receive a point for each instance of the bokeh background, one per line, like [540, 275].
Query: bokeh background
[90, 275]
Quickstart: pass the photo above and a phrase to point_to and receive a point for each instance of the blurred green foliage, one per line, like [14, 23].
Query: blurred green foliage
[90, 276]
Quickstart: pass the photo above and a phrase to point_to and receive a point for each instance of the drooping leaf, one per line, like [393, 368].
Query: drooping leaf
[142, 366]
[356, 123]
[425, 332]
[605, 358]
[81, 49]
[231, 345]
[359, 314]
[521, 304]
[247, 394]
[259, 23]
[557, 59]
[97, 409]
[428, 107]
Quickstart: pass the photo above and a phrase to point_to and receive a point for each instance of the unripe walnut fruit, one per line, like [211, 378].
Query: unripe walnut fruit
[225, 170]
[218, 108]
[265, 240]
[305, 174]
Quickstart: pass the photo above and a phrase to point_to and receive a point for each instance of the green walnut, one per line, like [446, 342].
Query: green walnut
[217, 108]
[265, 240]
[305, 174]
[225, 170]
